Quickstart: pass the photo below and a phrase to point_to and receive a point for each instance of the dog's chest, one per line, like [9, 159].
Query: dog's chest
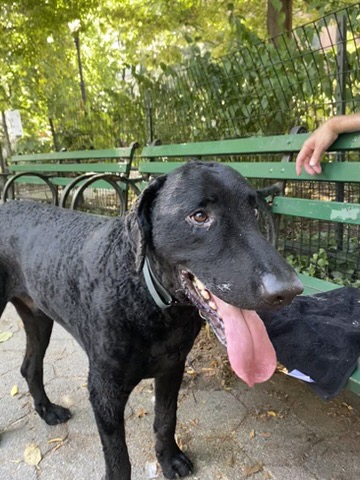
[169, 347]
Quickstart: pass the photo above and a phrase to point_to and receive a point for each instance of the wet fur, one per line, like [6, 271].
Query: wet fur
[84, 272]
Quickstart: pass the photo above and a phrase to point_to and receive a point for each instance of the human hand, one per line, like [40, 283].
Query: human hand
[314, 147]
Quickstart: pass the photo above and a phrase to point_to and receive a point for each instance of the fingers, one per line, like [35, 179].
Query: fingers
[310, 156]
[312, 169]
[317, 166]
[304, 158]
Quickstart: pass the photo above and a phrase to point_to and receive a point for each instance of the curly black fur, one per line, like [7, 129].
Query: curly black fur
[84, 272]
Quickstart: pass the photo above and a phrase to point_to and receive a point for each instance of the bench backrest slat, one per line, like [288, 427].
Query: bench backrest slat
[119, 153]
[64, 181]
[318, 209]
[246, 146]
[332, 172]
[71, 167]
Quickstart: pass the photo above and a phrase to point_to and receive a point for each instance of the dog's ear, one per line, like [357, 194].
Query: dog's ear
[274, 189]
[143, 209]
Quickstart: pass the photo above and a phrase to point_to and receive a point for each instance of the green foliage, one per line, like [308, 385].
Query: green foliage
[317, 267]
[322, 264]
[323, 8]
[210, 73]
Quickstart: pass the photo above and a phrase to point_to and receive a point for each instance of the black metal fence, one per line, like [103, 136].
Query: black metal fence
[322, 249]
[263, 88]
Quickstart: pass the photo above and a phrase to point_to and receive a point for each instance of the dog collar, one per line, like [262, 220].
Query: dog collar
[160, 296]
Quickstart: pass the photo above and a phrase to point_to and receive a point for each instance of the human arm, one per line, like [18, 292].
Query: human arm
[314, 147]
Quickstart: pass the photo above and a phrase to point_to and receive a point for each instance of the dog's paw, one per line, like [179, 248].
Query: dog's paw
[177, 466]
[54, 414]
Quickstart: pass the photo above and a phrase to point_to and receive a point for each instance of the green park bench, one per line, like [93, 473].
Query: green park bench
[159, 159]
[72, 172]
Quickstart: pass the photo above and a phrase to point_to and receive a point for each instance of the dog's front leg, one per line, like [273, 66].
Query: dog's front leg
[172, 460]
[108, 400]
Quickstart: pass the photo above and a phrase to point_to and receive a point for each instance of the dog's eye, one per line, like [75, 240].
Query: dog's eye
[199, 217]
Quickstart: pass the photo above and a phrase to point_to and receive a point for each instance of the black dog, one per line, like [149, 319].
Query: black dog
[129, 290]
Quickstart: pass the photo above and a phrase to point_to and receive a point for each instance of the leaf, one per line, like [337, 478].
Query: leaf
[14, 391]
[252, 469]
[271, 413]
[4, 336]
[56, 440]
[32, 454]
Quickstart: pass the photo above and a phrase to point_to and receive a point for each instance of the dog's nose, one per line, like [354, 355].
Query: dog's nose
[279, 292]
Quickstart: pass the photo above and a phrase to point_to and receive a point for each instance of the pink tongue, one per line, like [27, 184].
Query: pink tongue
[251, 354]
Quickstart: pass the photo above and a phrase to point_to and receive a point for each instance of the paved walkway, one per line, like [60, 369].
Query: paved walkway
[279, 430]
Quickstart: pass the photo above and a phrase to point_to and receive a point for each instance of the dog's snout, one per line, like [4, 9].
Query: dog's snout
[278, 292]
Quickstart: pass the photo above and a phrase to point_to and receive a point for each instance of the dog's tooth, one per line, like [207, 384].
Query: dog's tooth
[199, 284]
[213, 305]
[205, 294]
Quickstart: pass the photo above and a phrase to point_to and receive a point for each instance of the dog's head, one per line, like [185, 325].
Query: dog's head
[200, 223]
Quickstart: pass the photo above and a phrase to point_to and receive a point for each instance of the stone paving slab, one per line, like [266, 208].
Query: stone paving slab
[278, 430]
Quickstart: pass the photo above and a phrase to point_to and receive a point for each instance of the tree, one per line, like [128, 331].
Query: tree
[279, 17]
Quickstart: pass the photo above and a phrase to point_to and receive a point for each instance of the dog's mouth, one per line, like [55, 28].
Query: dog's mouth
[251, 354]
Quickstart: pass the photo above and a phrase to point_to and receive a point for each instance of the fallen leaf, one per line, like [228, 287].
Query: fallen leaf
[181, 443]
[252, 469]
[14, 391]
[32, 454]
[56, 440]
[271, 413]
[252, 434]
[4, 336]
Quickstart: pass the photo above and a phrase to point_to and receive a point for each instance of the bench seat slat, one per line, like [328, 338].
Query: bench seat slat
[314, 285]
[353, 383]
[321, 210]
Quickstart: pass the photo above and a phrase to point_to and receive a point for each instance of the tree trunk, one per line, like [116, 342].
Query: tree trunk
[275, 24]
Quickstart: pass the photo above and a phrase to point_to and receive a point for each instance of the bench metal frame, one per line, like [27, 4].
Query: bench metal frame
[74, 170]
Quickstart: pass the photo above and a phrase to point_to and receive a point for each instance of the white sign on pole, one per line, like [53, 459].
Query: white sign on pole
[13, 123]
